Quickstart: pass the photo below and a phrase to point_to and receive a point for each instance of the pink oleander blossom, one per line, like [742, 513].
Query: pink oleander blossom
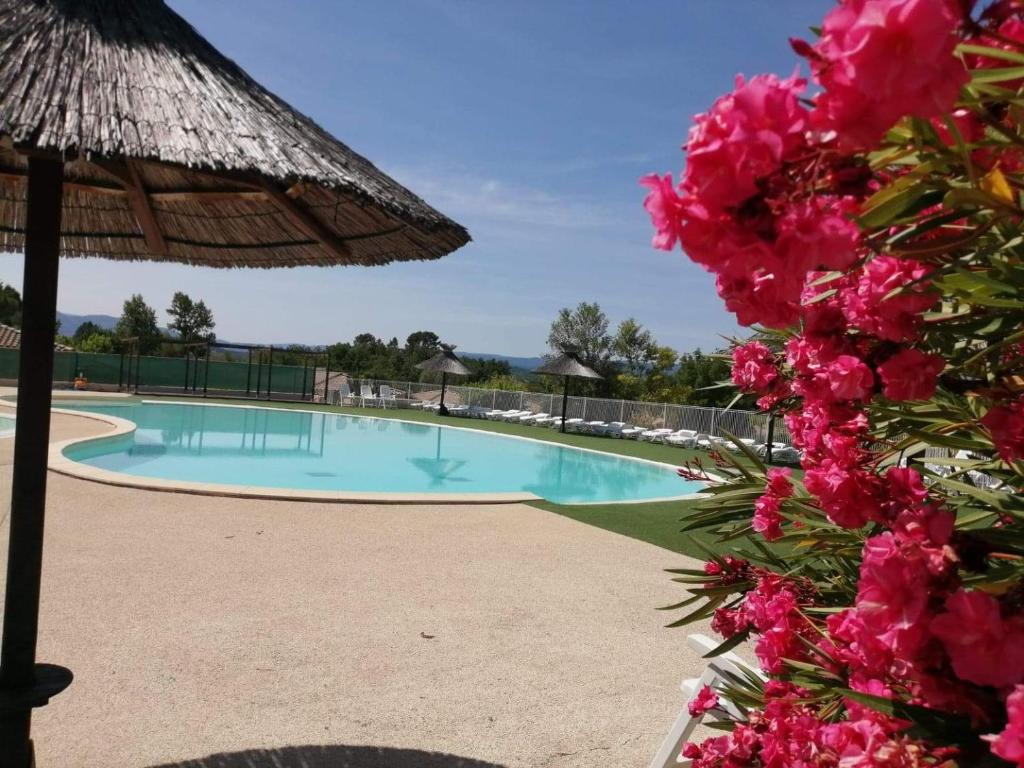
[872, 306]
[849, 378]
[665, 208]
[1006, 425]
[753, 367]
[1009, 743]
[848, 496]
[744, 137]
[910, 375]
[705, 700]
[983, 646]
[878, 60]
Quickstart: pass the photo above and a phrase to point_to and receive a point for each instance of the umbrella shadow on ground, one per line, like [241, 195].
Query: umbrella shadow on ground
[331, 756]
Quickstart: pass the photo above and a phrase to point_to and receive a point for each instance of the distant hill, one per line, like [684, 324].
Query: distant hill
[69, 323]
[516, 363]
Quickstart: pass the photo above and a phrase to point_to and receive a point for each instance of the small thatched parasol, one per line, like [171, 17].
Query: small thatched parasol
[567, 365]
[445, 362]
[124, 134]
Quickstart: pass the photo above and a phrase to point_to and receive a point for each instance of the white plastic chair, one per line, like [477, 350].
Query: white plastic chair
[386, 395]
[366, 394]
[718, 672]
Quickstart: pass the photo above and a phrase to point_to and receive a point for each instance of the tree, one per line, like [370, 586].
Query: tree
[139, 319]
[87, 329]
[10, 306]
[193, 321]
[583, 332]
[95, 342]
[697, 376]
[635, 346]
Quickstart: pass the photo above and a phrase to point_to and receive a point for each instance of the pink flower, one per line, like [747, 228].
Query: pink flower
[910, 375]
[665, 208]
[767, 521]
[767, 295]
[744, 137]
[983, 647]
[879, 60]
[1009, 743]
[849, 497]
[706, 699]
[818, 234]
[849, 378]
[869, 306]
[753, 367]
[1006, 425]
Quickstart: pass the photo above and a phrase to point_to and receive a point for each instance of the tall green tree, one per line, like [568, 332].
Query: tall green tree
[634, 346]
[139, 319]
[87, 329]
[10, 306]
[583, 332]
[192, 320]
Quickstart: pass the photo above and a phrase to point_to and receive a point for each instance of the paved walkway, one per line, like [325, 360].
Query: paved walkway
[240, 634]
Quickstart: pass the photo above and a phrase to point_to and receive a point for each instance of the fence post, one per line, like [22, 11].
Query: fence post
[714, 420]
[622, 410]
[584, 417]
[664, 416]
[494, 399]
[270, 372]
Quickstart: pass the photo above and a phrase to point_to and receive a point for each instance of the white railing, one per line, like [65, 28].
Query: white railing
[711, 421]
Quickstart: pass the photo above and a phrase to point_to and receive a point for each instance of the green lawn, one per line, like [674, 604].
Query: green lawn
[657, 523]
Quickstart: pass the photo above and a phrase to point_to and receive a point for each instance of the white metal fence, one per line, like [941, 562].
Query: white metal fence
[711, 421]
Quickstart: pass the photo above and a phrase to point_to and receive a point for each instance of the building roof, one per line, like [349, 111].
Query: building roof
[10, 338]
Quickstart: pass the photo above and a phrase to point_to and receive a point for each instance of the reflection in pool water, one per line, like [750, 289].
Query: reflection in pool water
[279, 448]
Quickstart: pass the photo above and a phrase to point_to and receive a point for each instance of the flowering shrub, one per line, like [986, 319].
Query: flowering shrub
[869, 224]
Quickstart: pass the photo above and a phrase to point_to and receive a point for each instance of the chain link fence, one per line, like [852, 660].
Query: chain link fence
[710, 421]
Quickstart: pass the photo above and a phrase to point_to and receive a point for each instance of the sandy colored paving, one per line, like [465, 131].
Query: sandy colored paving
[234, 633]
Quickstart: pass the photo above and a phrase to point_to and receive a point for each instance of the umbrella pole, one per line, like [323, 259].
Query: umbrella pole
[23, 683]
[565, 400]
[444, 382]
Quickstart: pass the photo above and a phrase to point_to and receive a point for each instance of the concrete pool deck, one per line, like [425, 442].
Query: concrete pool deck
[241, 633]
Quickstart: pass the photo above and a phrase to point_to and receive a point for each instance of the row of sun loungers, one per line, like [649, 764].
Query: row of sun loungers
[682, 438]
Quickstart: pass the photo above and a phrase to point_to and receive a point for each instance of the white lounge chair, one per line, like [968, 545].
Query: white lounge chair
[515, 415]
[655, 435]
[632, 433]
[720, 670]
[344, 392]
[589, 427]
[682, 438]
[366, 395]
[547, 421]
[613, 429]
[570, 424]
[532, 417]
[386, 395]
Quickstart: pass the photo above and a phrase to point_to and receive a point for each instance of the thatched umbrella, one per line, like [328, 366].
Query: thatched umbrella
[567, 365]
[125, 135]
[445, 362]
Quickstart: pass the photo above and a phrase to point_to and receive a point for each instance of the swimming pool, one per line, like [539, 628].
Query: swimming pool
[286, 449]
[6, 426]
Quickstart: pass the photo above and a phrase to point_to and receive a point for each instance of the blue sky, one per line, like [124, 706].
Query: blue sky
[528, 122]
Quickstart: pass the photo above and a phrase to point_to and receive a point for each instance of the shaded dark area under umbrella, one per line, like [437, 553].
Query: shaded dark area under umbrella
[568, 366]
[445, 362]
[126, 135]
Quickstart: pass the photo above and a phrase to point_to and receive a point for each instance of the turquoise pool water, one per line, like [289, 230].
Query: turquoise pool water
[278, 448]
[6, 426]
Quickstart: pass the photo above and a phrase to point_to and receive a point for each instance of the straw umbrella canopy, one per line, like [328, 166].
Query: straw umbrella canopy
[568, 366]
[445, 362]
[125, 135]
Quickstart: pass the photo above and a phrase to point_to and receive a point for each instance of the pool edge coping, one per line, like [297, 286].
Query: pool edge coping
[65, 466]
